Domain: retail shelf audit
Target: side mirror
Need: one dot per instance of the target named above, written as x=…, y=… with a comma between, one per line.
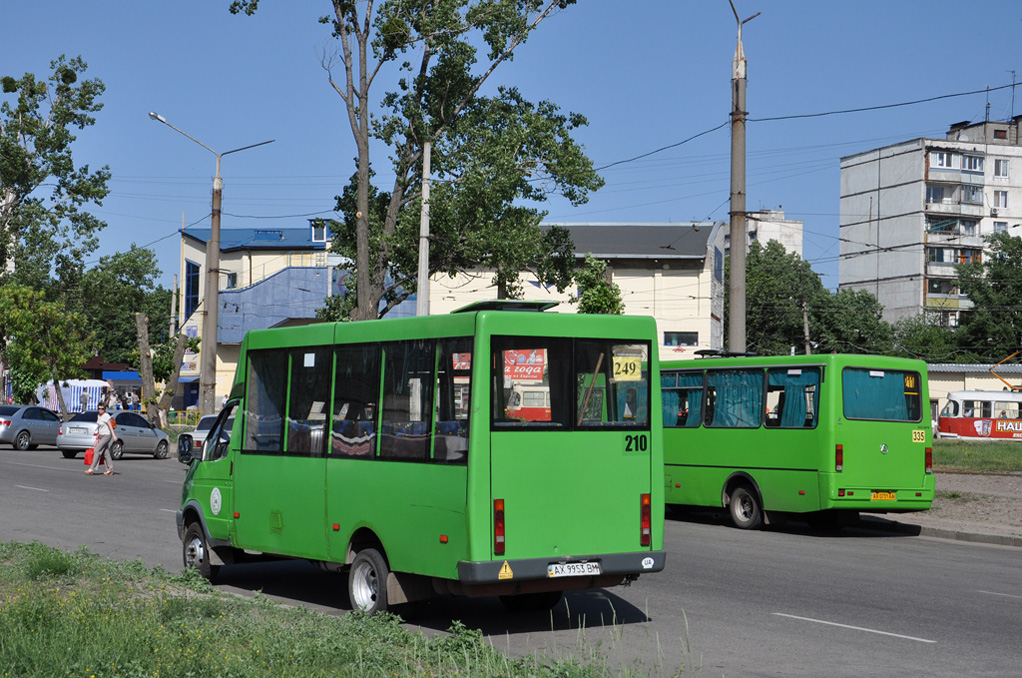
x=185, y=450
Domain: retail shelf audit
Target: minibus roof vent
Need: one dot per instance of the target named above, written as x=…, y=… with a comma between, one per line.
x=506, y=305
x=719, y=353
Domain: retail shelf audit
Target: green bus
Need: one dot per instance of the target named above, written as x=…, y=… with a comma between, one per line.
x=827, y=436
x=387, y=449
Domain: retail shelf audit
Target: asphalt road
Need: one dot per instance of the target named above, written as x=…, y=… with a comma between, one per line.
x=782, y=602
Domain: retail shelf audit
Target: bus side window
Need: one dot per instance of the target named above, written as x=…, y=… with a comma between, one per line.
x=356, y=388
x=450, y=431
x=793, y=397
x=407, y=400
x=736, y=396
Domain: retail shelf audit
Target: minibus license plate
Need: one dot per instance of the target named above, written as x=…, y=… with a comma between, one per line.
x=572, y=569
x=883, y=496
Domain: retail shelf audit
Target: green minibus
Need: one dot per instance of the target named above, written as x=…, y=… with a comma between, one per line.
x=827, y=436
x=388, y=449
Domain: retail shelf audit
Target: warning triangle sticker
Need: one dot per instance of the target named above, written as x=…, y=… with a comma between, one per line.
x=505, y=572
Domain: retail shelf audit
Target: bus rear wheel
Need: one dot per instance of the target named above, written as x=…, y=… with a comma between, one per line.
x=746, y=512
x=367, y=582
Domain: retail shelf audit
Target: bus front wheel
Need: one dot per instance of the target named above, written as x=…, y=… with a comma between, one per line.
x=746, y=512
x=367, y=582
x=196, y=552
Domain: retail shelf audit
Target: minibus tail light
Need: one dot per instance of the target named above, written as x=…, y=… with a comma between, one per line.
x=645, y=521
x=929, y=460
x=839, y=457
x=498, y=527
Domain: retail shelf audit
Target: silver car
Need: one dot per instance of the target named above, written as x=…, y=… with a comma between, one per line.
x=186, y=442
x=26, y=427
x=135, y=435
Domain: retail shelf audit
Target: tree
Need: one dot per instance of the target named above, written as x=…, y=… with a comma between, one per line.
x=992, y=330
x=113, y=291
x=488, y=151
x=48, y=342
x=788, y=307
x=919, y=337
x=597, y=294
x=163, y=365
x=43, y=227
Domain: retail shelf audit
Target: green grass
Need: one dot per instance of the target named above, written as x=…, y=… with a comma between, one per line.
x=978, y=456
x=74, y=615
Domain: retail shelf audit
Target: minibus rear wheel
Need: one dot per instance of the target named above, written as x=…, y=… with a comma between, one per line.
x=367, y=582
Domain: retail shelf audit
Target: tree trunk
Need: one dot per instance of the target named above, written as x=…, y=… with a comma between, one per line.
x=170, y=388
x=145, y=367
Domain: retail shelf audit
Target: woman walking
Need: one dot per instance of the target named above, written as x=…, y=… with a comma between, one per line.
x=106, y=435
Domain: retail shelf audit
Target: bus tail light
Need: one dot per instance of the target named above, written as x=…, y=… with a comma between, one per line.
x=929, y=460
x=839, y=457
x=498, y=527
x=645, y=521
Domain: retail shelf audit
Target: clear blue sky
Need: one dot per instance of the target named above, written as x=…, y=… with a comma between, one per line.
x=646, y=73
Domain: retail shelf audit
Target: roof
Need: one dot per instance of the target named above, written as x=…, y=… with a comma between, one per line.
x=683, y=240
x=258, y=238
x=975, y=368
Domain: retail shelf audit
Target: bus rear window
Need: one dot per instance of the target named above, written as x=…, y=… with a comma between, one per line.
x=559, y=383
x=885, y=395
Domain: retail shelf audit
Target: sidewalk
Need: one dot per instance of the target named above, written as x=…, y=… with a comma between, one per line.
x=980, y=508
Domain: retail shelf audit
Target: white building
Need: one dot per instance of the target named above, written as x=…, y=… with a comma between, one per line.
x=673, y=272
x=911, y=211
x=766, y=225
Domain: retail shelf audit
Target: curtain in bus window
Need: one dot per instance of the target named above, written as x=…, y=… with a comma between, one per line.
x=454, y=371
x=356, y=392
x=407, y=399
x=669, y=399
x=690, y=405
x=799, y=395
x=306, y=408
x=737, y=397
x=264, y=402
x=881, y=394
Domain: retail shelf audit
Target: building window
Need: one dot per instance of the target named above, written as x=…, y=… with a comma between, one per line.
x=232, y=281
x=968, y=227
x=944, y=159
x=935, y=255
x=972, y=195
x=1001, y=199
x=934, y=194
x=941, y=287
x=681, y=338
x=972, y=163
x=318, y=231
x=1000, y=227
x=191, y=300
x=1001, y=168
x=718, y=264
x=1000, y=134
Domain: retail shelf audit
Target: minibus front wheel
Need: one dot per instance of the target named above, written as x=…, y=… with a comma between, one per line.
x=196, y=552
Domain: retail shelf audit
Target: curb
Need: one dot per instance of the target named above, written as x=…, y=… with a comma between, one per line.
x=941, y=532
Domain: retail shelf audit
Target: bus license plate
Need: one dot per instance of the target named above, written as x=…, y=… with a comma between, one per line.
x=883, y=496
x=572, y=569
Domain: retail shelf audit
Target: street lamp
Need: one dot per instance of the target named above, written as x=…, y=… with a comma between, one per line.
x=207, y=372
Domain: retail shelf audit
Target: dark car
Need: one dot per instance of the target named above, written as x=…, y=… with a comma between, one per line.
x=26, y=427
x=135, y=435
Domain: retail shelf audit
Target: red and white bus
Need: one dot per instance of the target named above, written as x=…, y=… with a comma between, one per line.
x=981, y=415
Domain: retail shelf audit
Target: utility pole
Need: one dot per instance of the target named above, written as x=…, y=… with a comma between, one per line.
x=736, y=283
x=422, y=285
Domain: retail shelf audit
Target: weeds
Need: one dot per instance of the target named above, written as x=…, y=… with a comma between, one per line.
x=75, y=615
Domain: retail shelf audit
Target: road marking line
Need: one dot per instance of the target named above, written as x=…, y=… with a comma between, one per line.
x=994, y=593
x=26, y=487
x=169, y=510
x=854, y=628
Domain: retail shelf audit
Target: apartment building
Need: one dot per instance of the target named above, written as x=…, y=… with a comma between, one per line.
x=765, y=225
x=912, y=211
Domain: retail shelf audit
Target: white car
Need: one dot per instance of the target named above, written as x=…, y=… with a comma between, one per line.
x=191, y=443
